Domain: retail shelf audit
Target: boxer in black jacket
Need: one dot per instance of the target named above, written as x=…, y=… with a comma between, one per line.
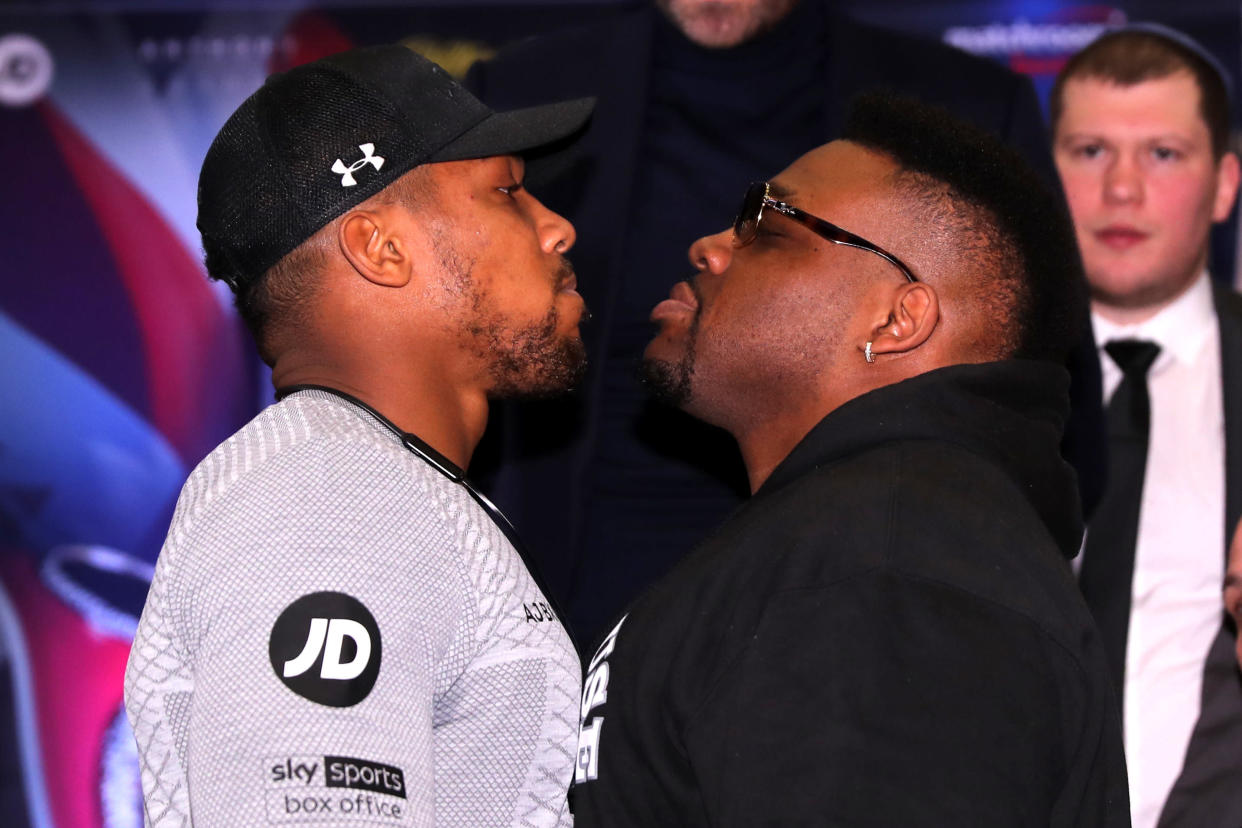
x=888, y=632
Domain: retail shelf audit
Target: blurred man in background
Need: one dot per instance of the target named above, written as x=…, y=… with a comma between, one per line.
x=1141, y=128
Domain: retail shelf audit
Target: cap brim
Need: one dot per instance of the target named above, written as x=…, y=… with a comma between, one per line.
x=519, y=131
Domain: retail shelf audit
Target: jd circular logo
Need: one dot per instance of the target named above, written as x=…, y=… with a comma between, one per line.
x=25, y=70
x=326, y=647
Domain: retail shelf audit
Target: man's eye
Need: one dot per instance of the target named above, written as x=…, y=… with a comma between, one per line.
x=1089, y=151
x=510, y=189
x=1165, y=153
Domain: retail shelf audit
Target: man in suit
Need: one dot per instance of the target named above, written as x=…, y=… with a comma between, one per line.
x=1140, y=129
x=696, y=100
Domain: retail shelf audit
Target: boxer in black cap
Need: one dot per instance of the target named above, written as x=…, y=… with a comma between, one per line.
x=341, y=629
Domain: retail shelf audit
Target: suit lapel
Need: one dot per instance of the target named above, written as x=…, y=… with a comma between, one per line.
x=614, y=145
x=848, y=71
x=1229, y=313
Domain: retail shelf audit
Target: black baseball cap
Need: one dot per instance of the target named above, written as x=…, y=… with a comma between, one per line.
x=316, y=140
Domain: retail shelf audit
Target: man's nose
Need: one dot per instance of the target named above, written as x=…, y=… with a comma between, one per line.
x=556, y=233
x=713, y=253
x=1123, y=180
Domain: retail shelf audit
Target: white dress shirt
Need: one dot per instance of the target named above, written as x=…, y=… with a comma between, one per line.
x=1179, y=558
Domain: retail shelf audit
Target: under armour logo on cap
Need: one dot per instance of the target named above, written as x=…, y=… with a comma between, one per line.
x=347, y=173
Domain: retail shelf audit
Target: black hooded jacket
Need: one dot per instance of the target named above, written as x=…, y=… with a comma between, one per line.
x=888, y=633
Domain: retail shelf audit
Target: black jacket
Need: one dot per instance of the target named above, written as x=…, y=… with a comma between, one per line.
x=887, y=634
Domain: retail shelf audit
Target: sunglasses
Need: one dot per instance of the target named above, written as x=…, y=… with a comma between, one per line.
x=758, y=196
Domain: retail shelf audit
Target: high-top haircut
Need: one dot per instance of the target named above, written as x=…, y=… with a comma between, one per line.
x=1017, y=240
x=1128, y=58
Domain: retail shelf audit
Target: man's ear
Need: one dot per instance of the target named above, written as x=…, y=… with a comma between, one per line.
x=912, y=315
x=1226, y=186
x=372, y=244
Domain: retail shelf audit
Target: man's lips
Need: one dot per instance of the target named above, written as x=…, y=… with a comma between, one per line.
x=1120, y=236
x=681, y=301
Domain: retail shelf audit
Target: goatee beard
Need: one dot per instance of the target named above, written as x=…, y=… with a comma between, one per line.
x=669, y=382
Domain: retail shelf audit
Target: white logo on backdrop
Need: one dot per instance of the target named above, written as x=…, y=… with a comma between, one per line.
x=25, y=70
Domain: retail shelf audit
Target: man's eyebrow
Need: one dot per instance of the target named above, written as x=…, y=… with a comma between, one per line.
x=1233, y=579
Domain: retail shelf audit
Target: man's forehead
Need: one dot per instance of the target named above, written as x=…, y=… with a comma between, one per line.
x=833, y=172
x=1091, y=102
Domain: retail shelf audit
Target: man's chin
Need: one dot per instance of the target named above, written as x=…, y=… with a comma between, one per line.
x=1136, y=292
x=668, y=382
x=551, y=376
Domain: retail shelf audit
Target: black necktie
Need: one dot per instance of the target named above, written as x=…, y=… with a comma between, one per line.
x=1107, y=572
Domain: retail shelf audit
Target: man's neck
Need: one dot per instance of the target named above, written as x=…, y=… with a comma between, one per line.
x=765, y=441
x=1120, y=315
x=1127, y=315
x=449, y=419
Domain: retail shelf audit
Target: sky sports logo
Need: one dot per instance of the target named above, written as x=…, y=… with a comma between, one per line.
x=332, y=787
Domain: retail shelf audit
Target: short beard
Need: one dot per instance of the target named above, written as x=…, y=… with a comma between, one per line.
x=670, y=382
x=532, y=362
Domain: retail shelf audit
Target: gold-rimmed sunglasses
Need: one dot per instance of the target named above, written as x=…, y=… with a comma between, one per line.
x=758, y=197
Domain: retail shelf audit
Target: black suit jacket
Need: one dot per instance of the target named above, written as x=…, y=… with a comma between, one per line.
x=536, y=453
x=1209, y=790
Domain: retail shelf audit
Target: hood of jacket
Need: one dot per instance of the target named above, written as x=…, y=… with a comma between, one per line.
x=1011, y=413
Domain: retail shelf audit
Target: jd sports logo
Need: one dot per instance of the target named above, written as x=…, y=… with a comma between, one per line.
x=327, y=636
x=326, y=647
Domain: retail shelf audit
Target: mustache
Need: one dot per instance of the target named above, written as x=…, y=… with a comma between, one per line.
x=565, y=273
x=693, y=282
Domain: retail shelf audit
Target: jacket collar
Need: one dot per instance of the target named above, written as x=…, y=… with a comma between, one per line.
x=1011, y=413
